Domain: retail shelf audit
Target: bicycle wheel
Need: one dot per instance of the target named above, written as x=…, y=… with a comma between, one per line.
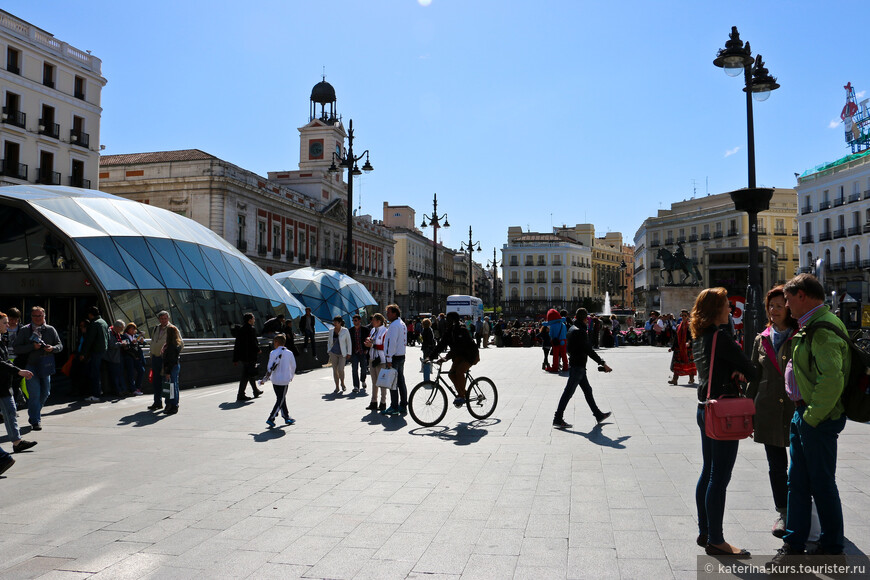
x=427, y=403
x=482, y=398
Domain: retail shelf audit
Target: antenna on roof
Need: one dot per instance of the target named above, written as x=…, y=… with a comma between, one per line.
x=707, y=180
x=694, y=188
x=324, y=72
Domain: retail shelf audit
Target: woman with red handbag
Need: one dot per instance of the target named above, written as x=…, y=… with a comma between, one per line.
x=719, y=361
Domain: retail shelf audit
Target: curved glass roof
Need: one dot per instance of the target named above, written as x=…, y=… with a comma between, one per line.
x=149, y=259
x=326, y=292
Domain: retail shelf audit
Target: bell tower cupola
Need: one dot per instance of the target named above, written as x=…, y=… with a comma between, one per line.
x=324, y=133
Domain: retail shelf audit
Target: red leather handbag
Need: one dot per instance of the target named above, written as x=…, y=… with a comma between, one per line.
x=729, y=417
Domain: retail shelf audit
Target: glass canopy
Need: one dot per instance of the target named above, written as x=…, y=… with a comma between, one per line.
x=326, y=292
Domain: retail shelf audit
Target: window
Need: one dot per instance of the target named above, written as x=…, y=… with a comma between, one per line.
x=48, y=74
x=13, y=60
x=276, y=239
x=240, y=227
x=11, y=165
x=261, y=236
x=45, y=172
x=303, y=248
x=79, y=88
x=825, y=196
x=77, y=135
x=77, y=175
x=289, y=239
x=12, y=111
x=47, y=126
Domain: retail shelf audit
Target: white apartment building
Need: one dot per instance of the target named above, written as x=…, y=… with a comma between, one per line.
x=50, y=125
x=543, y=270
x=834, y=223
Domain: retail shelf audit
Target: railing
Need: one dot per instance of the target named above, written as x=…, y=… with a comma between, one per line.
x=557, y=264
x=823, y=205
x=514, y=263
x=839, y=233
x=705, y=236
x=669, y=242
x=37, y=36
x=11, y=117
x=867, y=228
x=681, y=239
x=639, y=268
x=16, y=170
x=79, y=182
x=808, y=239
x=542, y=279
x=242, y=245
x=49, y=129
x=794, y=232
x=276, y=253
x=557, y=280
x=867, y=194
x=806, y=209
x=825, y=236
x=13, y=69
x=854, y=197
x=47, y=177
x=839, y=201
x=529, y=280
x=261, y=249
x=855, y=231
x=303, y=257
x=79, y=95
x=529, y=263
x=655, y=244
x=693, y=238
x=806, y=270
x=289, y=256
x=718, y=234
x=79, y=138
x=542, y=262
x=586, y=282
x=762, y=231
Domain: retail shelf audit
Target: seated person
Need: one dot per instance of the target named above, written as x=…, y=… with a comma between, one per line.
x=463, y=353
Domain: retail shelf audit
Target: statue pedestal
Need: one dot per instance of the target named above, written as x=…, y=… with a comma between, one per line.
x=675, y=298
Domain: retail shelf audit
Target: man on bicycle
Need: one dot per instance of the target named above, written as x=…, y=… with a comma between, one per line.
x=463, y=353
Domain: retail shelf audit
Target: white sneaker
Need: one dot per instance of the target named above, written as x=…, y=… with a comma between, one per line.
x=92, y=399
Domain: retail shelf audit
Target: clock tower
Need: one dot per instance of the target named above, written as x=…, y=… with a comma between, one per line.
x=324, y=133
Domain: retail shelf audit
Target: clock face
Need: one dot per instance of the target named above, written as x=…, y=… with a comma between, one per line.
x=315, y=150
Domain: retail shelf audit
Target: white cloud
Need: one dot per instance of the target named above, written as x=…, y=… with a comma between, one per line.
x=731, y=152
x=860, y=94
x=833, y=124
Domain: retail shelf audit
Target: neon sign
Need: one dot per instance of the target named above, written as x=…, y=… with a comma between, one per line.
x=856, y=118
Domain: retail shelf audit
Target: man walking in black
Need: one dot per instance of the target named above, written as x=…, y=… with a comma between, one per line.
x=578, y=351
x=358, y=356
x=245, y=351
x=306, y=325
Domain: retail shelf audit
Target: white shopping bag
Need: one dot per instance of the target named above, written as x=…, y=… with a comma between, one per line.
x=387, y=378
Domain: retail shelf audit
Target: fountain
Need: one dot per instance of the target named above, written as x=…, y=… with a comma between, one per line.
x=606, y=304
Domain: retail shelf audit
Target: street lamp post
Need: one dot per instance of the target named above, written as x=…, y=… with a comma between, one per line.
x=435, y=222
x=350, y=162
x=623, y=285
x=494, y=264
x=417, y=293
x=736, y=58
x=470, y=247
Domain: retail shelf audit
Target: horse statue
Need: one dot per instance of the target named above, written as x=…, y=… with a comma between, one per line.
x=678, y=261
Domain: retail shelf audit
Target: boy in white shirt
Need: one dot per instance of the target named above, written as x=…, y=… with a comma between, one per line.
x=281, y=369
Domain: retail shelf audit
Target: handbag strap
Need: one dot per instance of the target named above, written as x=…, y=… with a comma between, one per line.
x=712, y=357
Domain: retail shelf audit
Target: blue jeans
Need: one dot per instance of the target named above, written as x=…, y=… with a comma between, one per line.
x=577, y=376
x=812, y=475
x=133, y=371
x=173, y=377
x=157, y=378
x=95, y=363
x=398, y=363
x=719, y=458
x=427, y=371
x=38, y=389
x=359, y=365
x=308, y=335
x=10, y=417
x=116, y=379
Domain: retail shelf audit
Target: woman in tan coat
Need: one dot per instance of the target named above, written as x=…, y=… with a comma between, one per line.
x=773, y=409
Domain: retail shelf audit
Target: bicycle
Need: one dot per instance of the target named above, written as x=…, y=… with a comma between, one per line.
x=428, y=400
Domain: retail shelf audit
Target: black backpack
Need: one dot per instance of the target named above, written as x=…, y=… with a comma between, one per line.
x=856, y=392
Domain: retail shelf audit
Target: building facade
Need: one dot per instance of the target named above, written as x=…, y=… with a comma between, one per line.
x=50, y=124
x=542, y=270
x=712, y=222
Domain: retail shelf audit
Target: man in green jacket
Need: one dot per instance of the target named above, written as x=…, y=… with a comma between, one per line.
x=93, y=350
x=814, y=381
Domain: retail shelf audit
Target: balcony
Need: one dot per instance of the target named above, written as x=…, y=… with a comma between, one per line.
x=542, y=279
x=780, y=232
x=557, y=264
x=681, y=239
x=839, y=233
x=47, y=177
x=639, y=268
x=867, y=194
x=855, y=231
x=16, y=118
x=529, y=263
x=542, y=262
x=806, y=209
x=825, y=236
x=655, y=265
x=808, y=239
x=303, y=258
x=705, y=236
x=79, y=182
x=557, y=280
x=529, y=280
x=655, y=244
x=79, y=138
x=14, y=169
x=242, y=245
x=794, y=232
x=14, y=69
x=514, y=263
x=693, y=238
x=762, y=231
x=823, y=205
x=49, y=129
x=854, y=197
x=669, y=242
x=839, y=201
x=732, y=233
x=276, y=253
x=261, y=249
x=867, y=228
x=586, y=282
x=718, y=234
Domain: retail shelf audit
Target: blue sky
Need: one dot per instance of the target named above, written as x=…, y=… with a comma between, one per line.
x=514, y=112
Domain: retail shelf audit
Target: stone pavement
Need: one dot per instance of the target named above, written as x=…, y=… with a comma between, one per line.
x=114, y=491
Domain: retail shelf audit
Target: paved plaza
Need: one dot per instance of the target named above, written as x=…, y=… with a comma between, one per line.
x=115, y=491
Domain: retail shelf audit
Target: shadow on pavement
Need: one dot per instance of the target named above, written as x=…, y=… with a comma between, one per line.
x=141, y=419
x=389, y=422
x=229, y=405
x=268, y=435
x=462, y=434
x=597, y=436
x=58, y=410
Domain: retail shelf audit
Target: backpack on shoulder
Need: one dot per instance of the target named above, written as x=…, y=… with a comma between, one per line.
x=856, y=391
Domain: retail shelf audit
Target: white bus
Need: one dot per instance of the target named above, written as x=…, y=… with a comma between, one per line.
x=465, y=306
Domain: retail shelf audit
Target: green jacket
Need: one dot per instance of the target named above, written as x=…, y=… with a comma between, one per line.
x=822, y=383
x=96, y=338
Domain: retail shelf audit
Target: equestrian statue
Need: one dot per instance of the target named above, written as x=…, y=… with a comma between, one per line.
x=678, y=261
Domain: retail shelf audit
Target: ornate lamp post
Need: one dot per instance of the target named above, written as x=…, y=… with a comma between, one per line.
x=736, y=58
x=435, y=222
x=470, y=248
x=494, y=264
x=623, y=286
x=349, y=161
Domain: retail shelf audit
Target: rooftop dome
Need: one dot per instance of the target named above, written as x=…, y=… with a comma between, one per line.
x=323, y=93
